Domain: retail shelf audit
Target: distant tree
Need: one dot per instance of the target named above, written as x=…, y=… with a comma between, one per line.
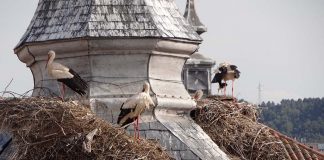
x=302, y=118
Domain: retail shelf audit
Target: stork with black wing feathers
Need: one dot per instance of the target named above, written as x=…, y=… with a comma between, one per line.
x=226, y=72
x=65, y=75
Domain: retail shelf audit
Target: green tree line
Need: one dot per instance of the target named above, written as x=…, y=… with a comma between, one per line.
x=302, y=118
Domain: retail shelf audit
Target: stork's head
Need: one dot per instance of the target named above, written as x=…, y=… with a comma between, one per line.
x=146, y=87
x=51, y=54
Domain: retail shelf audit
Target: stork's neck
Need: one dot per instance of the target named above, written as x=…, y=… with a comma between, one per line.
x=51, y=59
x=147, y=89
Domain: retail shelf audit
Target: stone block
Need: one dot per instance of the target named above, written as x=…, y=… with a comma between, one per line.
x=188, y=155
x=157, y=126
x=177, y=144
x=144, y=126
x=175, y=154
x=156, y=135
x=166, y=140
x=142, y=134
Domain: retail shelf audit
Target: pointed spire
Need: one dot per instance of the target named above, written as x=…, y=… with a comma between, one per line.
x=192, y=17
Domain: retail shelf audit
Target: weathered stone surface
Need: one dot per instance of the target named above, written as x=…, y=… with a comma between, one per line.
x=177, y=144
x=188, y=155
x=166, y=140
x=153, y=135
x=157, y=126
x=142, y=134
x=175, y=154
x=142, y=127
x=187, y=131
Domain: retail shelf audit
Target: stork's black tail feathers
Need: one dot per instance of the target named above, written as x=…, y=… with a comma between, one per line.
x=77, y=84
x=124, y=112
x=237, y=74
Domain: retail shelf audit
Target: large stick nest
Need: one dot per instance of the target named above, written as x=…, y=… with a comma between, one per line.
x=234, y=127
x=51, y=129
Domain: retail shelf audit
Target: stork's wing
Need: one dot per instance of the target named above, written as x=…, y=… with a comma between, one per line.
x=137, y=99
x=61, y=74
x=217, y=78
x=150, y=101
x=132, y=101
x=77, y=84
x=58, y=66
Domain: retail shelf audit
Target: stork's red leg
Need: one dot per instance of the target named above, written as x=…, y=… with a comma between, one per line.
x=225, y=91
x=137, y=124
x=135, y=128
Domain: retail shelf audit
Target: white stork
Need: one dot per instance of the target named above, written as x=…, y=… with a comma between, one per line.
x=134, y=106
x=65, y=75
x=198, y=95
x=224, y=73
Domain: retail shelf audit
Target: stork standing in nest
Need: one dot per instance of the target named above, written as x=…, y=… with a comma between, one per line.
x=134, y=107
x=224, y=73
x=197, y=97
x=66, y=76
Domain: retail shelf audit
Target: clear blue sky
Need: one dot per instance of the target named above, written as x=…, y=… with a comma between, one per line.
x=279, y=43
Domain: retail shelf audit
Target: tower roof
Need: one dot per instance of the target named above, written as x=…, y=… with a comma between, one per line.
x=192, y=17
x=70, y=19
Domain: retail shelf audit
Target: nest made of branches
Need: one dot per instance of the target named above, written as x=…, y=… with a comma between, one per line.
x=234, y=127
x=52, y=129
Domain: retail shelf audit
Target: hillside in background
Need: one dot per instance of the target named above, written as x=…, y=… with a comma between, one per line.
x=302, y=118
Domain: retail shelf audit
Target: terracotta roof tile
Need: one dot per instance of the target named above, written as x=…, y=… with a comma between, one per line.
x=296, y=150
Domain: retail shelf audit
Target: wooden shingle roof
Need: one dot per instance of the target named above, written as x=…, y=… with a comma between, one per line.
x=70, y=19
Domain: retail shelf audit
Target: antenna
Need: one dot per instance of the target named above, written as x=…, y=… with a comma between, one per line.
x=259, y=93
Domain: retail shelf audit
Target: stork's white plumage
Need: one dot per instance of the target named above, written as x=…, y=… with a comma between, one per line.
x=65, y=75
x=198, y=95
x=226, y=72
x=134, y=107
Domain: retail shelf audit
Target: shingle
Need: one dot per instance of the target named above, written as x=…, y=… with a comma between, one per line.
x=68, y=19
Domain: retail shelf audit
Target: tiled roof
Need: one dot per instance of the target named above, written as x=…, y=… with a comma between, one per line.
x=68, y=19
x=295, y=150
